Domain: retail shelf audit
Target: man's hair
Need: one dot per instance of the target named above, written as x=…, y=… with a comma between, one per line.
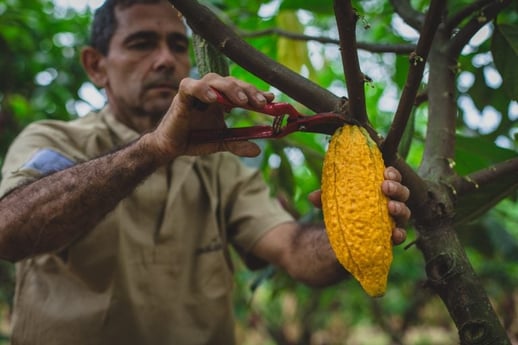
x=104, y=23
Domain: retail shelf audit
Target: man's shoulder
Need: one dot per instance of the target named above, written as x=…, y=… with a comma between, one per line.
x=80, y=124
x=77, y=131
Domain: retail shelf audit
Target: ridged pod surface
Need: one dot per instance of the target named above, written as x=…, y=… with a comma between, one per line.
x=208, y=59
x=355, y=209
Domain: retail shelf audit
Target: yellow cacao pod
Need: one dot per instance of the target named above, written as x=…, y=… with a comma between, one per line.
x=355, y=209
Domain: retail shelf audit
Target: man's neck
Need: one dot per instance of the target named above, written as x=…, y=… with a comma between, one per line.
x=140, y=124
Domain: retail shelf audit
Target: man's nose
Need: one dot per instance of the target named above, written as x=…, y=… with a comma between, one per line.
x=165, y=58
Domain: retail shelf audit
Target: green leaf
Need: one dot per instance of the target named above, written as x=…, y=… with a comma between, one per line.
x=317, y=6
x=468, y=159
x=408, y=135
x=505, y=54
x=474, y=205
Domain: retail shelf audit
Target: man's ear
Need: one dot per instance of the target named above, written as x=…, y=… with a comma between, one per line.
x=93, y=63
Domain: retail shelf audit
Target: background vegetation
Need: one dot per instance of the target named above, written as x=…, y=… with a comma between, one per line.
x=42, y=78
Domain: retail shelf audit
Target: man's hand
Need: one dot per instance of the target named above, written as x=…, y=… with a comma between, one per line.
x=398, y=194
x=171, y=137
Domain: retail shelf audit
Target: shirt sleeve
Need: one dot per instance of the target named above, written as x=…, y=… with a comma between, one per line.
x=250, y=208
x=29, y=158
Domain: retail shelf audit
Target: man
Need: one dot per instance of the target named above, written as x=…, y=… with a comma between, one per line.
x=120, y=225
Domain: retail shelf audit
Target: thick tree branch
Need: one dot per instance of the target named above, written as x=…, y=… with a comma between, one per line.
x=506, y=170
x=454, y=280
x=346, y=18
x=414, y=78
x=370, y=47
x=410, y=16
x=439, y=153
x=419, y=190
x=487, y=14
x=202, y=21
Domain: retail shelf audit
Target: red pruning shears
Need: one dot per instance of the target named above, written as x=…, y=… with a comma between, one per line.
x=325, y=123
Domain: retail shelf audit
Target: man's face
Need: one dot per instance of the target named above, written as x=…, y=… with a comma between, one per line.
x=147, y=58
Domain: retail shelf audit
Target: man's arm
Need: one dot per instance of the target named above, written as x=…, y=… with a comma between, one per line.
x=51, y=212
x=48, y=214
x=304, y=251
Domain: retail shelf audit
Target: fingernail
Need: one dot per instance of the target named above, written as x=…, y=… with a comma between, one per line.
x=396, y=208
x=260, y=98
x=391, y=187
x=211, y=95
x=242, y=96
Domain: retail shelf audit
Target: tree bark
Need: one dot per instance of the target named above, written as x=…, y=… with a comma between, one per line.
x=452, y=277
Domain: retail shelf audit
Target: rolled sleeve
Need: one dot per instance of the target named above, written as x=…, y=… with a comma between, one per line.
x=251, y=210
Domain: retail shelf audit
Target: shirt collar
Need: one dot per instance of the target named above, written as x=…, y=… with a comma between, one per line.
x=123, y=133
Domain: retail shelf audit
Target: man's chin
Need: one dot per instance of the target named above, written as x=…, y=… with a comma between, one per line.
x=159, y=105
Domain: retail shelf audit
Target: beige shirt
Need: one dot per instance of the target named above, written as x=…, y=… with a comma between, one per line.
x=154, y=270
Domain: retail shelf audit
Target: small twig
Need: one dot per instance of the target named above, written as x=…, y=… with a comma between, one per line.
x=410, y=16
x=471, y=183
x=346, y=18
x=487, y=14
x=371, y=47
x=457, y=18
x=421, y=97
x=415, y=75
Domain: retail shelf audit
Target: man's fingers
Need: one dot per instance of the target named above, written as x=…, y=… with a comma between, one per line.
x=315, y=198
x=398, y=236
x=395, y=190
x=399, y=211
x=242, y=148
x=237, y=91
x=393, y=174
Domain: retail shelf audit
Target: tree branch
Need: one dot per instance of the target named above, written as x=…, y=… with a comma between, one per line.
x=202, y=21
x=346, y=18
x=487, y=14
x=410, y=16
x=419, y=190
x=505, y=170
x=452, y=277
x=371, y=47
x=414, y=78
x=455, y=20
x=439, y=152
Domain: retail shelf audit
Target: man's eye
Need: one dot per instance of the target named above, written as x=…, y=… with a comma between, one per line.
x=178, y=46
x=141, y=45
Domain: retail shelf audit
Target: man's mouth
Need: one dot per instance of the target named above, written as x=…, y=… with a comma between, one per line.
x=164, y=87
x=162, y=84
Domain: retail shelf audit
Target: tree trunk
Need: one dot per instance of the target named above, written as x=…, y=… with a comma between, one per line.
x=452, y=277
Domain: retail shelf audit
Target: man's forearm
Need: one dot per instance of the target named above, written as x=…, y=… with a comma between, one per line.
x=314, y=261
x=303, y=251
x=48, y=214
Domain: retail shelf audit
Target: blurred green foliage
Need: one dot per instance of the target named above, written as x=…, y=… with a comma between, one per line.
x=42, y=78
